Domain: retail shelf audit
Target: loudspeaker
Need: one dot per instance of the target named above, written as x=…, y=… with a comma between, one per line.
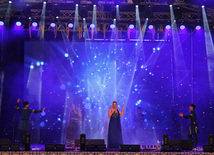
x=9, y=147
x=27, y=142
x=90, y=142
x=165, y=139
x=211, y=139
x=168, y=148
x=82, y=142
x=96, y=148
x=129, y=148
x=53, y=147
x=184, y=144
x=208, y=148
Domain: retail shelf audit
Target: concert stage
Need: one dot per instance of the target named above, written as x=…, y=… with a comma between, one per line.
x=40, y=150
x=102, y=153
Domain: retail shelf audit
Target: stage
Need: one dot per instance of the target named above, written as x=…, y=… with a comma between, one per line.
x=102, y=153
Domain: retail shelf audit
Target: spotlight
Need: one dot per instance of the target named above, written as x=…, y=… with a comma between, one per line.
x=66, y=55
x=1, y=23
x=131, y=26
x=117, y=6
x=44, y=2
x=18, y=23
x=136, y=6
x=182, y=27
x=170, y=5
x=42, y=63
x=52, y=24
x=57, y=17
x=147, y=18
x=92, y=26
x=29, y=18
x=114, y=19
x=31, y=67
x=151, y=27
x=76, y=4
x=34, y=24
x=168, y=27
x=202, y=6
x=70, y=25
x=83, y=18
x=9, y=2
x=94, y=5
x=112, y=26
x=38, y=63
x=198, y=27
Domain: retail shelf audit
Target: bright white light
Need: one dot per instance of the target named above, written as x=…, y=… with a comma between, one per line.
x=57, y=17
x=10, y=2
x=29, y=18
x=170, y=5
x=66, y=55
x=117, y=6
x=76, y=4
x=44, y=2
x=94, y=5
x=114, y=19
x=31, y=67
x=202, y=6
x=147, y=18
x=83, y=18
x=136, y=6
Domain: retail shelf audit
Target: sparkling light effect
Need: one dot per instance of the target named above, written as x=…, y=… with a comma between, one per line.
x=182, y=27
x=92, y=26
x=18, y=23
x=168, y=27
x=70, y=25
x=198, y=27
x=34, y=24
x=112, y=26
x=66, y=55
x=131, y=26
x=151, y=27
x=31, y=66
x=53, y=24
x=1, y=23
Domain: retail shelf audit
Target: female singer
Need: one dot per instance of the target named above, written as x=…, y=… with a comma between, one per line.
x=114, y=130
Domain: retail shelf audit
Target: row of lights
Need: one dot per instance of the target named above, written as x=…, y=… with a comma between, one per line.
x=112, y=26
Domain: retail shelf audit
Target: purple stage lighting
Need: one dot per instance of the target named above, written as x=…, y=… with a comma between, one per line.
x=112, y=26
x=52, y=24
x=92, y=26
x=70, y=25
x=151, y=27
x=131, y=26
x=198, y=27
x=18, y=23
x=182, y=27
x=1, y=23
x=168, y=27
x=34, y=24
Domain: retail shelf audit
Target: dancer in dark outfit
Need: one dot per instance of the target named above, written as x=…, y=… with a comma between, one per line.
x=114, y=131
x=193, y=128
x=24, y=125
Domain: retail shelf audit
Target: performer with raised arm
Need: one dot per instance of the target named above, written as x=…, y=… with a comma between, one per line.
x=193, y=128
x=24, y=125
x=114, y=130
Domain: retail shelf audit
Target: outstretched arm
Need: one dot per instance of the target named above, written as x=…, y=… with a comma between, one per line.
x=38, y=111
x=17, y=102
x=185, y=116
x=122, y=113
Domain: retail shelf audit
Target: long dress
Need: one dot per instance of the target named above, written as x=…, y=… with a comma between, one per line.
x=114, y=131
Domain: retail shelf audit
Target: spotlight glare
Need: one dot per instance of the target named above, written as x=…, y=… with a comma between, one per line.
x=42, y=63
x=117, y=6
x=94, y=5
x=151, y=27
x=168, y=27
x=57, y=17
x=202, y=6
x=198, y=27
x=31, y=67
x=136, y=6
x=1, y=23
x=9, y=2
x=182, y=27
x=52, y=24
x=170, y=5
x=147, y=18
x=18, y=23
x=38, y=63
x=131, y=26
x=92, y=26
x=112, y=26
x=66, y=55
x=76, y=4
x=44, y=2
x=29, y=18
x=114, y=19
x=83, y=18
x=34, y=24
x=70, y=25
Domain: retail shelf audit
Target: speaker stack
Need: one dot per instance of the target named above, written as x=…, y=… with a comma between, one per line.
x=210, y=147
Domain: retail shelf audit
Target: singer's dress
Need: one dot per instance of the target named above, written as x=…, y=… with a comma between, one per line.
x=114, y=131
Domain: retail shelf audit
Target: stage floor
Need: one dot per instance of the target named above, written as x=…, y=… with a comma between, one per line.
x=39, y=150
